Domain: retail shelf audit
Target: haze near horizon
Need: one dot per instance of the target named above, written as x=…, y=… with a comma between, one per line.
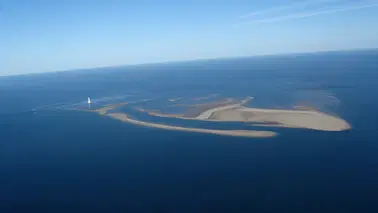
x=43, y=36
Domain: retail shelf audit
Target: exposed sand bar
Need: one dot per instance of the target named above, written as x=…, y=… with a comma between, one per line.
x=306, y=118
x=284, y=118
x=244, y=133
x=103, y=110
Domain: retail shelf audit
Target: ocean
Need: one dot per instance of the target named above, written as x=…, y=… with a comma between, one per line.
x=54, y=159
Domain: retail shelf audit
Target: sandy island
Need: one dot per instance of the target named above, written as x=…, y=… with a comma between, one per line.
x=306, y=118
x=231, y=111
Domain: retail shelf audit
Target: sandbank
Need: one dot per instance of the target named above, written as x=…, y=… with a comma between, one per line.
x=243, y=133
x=284, y=118
x=307, y=118
x=231, y=111
x=125, y=118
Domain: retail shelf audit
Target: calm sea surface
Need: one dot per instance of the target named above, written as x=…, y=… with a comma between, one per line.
x=53, y=159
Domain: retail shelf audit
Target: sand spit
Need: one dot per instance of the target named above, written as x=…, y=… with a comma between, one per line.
x=103, y=110
x=206, y=115
x=125, y=118
x=201, y=111
x=198, y=109
x=243, y=133
x=194, y=110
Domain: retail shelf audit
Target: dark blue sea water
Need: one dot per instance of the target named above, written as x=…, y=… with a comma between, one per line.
x=53, y=159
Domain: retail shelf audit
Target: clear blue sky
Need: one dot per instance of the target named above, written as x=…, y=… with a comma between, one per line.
x=46, y=35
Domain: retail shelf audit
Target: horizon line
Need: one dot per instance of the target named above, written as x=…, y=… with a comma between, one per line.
x=192, y=60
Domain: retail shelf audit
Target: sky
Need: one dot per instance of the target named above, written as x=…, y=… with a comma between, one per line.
x=45, y=35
